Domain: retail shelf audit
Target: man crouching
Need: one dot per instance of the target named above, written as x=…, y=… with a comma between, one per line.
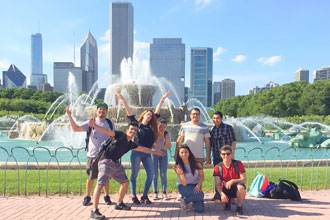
x=229, y=178
x=109, y=166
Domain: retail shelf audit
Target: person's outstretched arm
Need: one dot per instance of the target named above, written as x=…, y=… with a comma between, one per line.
x=159, y=106
x=75, y=127
x=128, y=110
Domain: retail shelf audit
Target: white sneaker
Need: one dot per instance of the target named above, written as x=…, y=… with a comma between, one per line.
x=179, y=197
x=155, y=197
x=183, y=205
x=165, y=197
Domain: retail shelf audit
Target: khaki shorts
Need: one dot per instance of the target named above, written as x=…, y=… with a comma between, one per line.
x=110, y=169
x=200, y=160
x=92, y=168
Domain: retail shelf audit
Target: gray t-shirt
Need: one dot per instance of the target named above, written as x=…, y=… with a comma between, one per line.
x=96, y=138
x=160, y=143
x=190, y=179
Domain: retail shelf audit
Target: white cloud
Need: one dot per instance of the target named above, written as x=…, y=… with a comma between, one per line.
x=269, y=61
x=239, y=58
x=4, y=64
x=216, y=55
x=106, y=36
x=200, y=4
x=141, y=50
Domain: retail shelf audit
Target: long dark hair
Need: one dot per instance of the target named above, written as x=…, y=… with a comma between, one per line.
x=191, y=158
x=152, y=123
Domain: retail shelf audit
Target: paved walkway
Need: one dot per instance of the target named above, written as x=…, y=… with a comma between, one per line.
x=316, y=205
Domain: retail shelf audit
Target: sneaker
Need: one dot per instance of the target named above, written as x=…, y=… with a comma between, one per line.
x=227, y=206
x=107, y=200
x=179, y=197
x=183, y=205
x=136, y=200
x=155, y=197
x=165, y=196
x=87, y=201
x=239, y=210
x=145, y=199
x=122, y=206
x=97, y=215
x=190, y=206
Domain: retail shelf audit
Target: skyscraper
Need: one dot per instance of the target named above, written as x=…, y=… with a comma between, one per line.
x=89, y=62
x=13, y=78
x=121, y=35
x=322, y=74
x=167, y=59
x=37, y=76
x=227, y=88
x=302, y=75
x=216, y=92
x=61, y=76
x=201, y=74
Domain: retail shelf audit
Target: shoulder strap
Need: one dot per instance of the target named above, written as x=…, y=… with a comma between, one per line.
x=89, y=131
x=236, y=166
x=290, y=183
x=110, y=123
x=220, y=170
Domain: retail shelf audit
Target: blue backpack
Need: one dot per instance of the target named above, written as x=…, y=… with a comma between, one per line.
x=259, y=184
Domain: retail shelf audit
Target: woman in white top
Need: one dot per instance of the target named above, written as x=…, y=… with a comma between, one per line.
x=190, y=178
x=162, y=143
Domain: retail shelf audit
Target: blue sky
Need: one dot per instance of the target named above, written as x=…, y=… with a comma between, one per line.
x=254, y=41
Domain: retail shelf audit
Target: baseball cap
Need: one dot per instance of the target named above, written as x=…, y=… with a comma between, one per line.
x=102, y=104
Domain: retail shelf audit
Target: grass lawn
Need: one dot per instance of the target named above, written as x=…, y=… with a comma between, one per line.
x=74, y=182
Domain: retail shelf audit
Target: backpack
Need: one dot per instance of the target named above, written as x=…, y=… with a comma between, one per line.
x=259, y=184
x=221, y=171
x=285, y=190
x=266, y=192
x=90, y=131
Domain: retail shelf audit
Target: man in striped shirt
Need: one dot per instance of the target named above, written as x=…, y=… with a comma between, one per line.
x=221, y=134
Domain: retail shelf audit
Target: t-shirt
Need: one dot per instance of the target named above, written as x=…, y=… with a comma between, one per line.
x=119, y=146
x=160, y=143
x=190, y=179
x=194, y=137
x=145, y=136
x=96, y=138
x=229, y=173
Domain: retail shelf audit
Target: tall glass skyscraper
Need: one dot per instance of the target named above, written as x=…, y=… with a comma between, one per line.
x=37, y=76
x=201, y=74
x=167, y=59
x=89, y=62
x=227, y=88
x=121, y=35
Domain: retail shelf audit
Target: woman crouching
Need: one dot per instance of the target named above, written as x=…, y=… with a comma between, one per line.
x=190, y=178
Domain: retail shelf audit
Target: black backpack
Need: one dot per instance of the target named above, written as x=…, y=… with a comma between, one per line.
x=90, y=131
x=285, y=190
x=235, y=167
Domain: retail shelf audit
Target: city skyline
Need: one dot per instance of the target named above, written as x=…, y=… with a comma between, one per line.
x=252, y=42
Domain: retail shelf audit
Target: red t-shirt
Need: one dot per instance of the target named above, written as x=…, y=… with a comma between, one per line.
x=229, y=173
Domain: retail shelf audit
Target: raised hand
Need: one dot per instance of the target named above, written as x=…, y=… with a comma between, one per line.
x=119, y=95
x=68, y=111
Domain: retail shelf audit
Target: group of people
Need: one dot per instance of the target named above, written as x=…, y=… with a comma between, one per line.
x=149, y=141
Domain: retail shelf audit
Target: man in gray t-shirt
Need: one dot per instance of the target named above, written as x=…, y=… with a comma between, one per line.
x=100, y=130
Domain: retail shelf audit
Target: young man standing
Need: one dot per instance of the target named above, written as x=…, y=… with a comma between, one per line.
x=221, y=134
x=100, y=131
x=230, y=178
x=109, y=166
x=195, y=134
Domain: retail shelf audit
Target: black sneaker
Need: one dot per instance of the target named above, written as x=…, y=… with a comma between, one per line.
x=97, y=215
x=227, y=205
x=87, y=201
x=107, y=200
x=136, y=200
x=145, y=199
x=122, y=206
x=239, y=210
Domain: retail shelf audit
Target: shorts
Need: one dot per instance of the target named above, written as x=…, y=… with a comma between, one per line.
x=200, y=160
x=230, y=193
x=109, y=168
x=92, y=168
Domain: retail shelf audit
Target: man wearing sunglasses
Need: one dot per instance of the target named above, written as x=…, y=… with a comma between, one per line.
x=230, y=178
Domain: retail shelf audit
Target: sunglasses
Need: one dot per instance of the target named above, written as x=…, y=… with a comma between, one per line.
x=224, y=154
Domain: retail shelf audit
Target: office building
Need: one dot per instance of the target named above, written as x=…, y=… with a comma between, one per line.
x=167, y=60
x=322, y=74
x=121, y=35
x=201, y=74
x=269, y=86
x=37, y=76
x=89, y=62
x=13, y=78
x=216, y=92
x=302, y=75
x=61, y=76
x=45, y=87
x=227, y=88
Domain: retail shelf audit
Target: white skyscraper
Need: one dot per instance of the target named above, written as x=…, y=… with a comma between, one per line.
x=227, y=88
x=322, y=74
x=121, y=35
x=302, y=75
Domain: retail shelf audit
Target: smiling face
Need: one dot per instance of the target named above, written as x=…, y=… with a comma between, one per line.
x=216, y=120
x=101, y=112
x=184, y=154
x=225, y=155
x=161, y=127
x=147, y=116
x=131, y=131
x=194, y=116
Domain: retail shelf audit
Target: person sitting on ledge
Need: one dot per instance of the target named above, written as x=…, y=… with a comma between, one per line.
x=230, y=178
x=109, y=166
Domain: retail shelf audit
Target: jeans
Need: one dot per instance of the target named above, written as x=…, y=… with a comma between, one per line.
x=188, y=194
x=136, y=158
x=162, y=162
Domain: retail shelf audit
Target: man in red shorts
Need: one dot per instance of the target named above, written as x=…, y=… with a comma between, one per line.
x=230, y=178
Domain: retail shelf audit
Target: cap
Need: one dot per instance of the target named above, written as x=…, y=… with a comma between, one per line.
x=102, y=104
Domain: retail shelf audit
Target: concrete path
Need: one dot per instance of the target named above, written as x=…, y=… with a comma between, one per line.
x=316, y=205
